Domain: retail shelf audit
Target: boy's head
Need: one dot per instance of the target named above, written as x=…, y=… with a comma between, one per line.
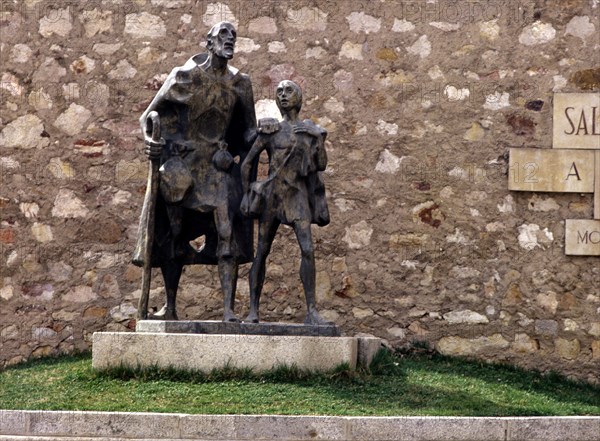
x=288, y=96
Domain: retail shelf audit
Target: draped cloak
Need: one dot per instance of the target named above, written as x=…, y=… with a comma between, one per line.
x=198, y=113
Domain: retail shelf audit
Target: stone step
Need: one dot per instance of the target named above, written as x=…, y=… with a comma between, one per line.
x=117, y=426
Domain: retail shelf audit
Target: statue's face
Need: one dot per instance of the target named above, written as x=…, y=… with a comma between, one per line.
x=288, y=96
x=223, y=40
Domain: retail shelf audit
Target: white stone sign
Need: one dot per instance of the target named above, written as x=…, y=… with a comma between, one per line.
x=582, y=237
x=576, y=121
x=569, y=171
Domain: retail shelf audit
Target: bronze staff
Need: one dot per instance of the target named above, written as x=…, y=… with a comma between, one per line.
x=152, y=129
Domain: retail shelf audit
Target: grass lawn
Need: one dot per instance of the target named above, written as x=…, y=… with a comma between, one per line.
x=409, y=384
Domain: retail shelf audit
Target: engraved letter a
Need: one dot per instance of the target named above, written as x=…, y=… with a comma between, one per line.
x=573, y=172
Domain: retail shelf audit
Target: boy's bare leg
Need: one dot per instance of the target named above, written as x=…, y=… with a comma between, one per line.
x=267, y=229
x=308, y=273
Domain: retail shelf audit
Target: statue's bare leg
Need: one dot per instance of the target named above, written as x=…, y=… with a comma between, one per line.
x=224, y=230
x=228, y=266
x=266, y=234
x=228, y=273
x=171, y=272
x=308, y=272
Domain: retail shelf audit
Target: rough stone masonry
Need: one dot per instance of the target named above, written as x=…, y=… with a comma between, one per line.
x=422, y=100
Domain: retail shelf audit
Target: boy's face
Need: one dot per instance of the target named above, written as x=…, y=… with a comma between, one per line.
x=287, y=96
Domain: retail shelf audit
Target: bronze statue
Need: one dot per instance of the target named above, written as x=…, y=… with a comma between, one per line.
x=206, y=113
x=293, y=193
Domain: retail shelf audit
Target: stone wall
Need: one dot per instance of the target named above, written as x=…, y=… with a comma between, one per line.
x=422, y=100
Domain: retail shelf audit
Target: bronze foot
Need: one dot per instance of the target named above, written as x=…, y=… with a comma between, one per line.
x=229, y=316
x=164, y=314
x=313, y=318
x=252, y=318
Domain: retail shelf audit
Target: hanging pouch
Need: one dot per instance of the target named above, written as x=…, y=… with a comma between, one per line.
x=175, y=180
x=253, y=202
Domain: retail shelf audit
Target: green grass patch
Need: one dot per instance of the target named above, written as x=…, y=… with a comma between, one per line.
x=413, y=383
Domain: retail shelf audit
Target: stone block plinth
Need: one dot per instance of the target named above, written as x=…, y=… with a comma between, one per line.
x=208, y=351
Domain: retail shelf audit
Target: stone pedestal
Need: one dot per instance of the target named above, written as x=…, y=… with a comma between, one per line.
x=196, y=345
x=220, y=327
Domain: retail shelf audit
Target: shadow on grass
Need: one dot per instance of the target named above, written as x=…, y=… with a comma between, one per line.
x=468, y=388
x=552, y=385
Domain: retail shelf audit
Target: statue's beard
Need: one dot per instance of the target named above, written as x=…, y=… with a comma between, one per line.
x=224, y=52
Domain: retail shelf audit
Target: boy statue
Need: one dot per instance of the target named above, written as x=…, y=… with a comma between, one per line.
x=293, y=193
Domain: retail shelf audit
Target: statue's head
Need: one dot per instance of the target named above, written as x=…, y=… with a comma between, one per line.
x=288, y=96
x=220, y=40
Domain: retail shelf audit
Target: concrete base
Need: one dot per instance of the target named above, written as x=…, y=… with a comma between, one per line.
x=208, y=351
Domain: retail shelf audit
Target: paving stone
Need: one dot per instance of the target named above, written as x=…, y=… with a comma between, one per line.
x=427, y=428
x=554, y=429
x=289, y=428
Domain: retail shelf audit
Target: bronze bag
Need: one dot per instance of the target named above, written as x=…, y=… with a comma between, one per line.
x=175, y=180
x=253, y=202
